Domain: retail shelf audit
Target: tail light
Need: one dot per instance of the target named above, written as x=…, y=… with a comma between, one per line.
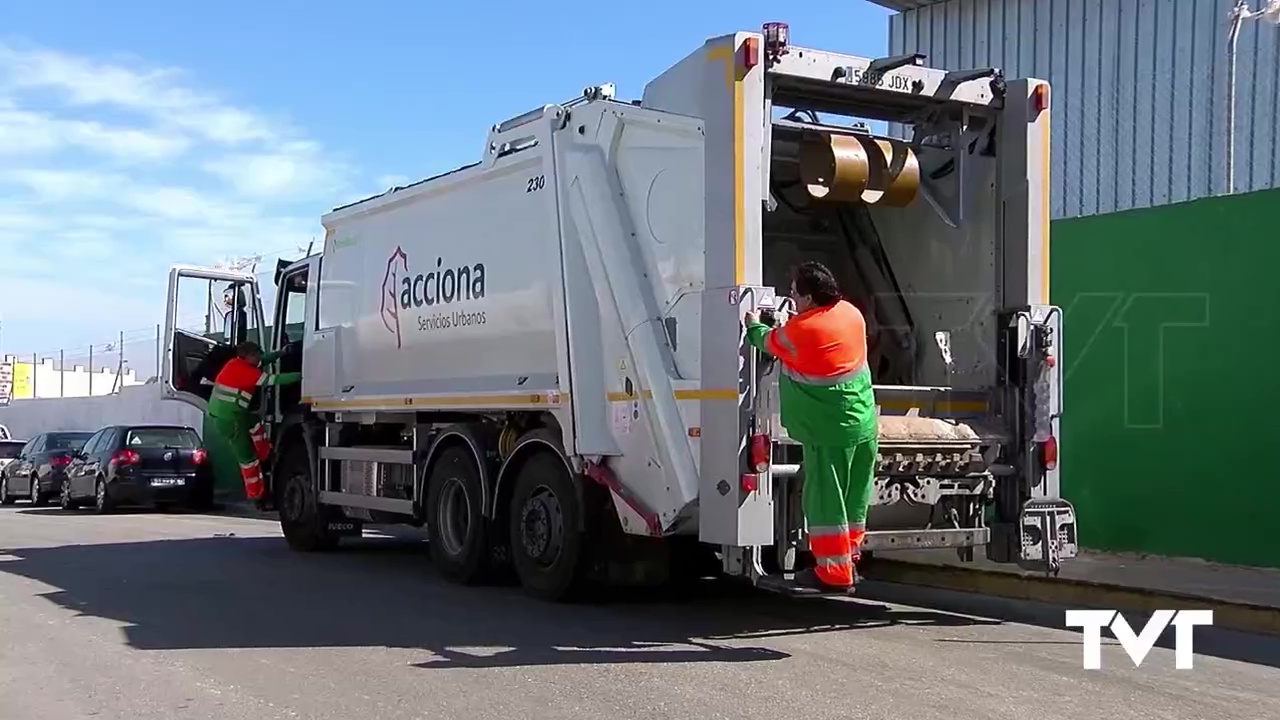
x=1049, y=452
x=60, y=462
x=760, y=453
x=125, y=457
x=199, y=456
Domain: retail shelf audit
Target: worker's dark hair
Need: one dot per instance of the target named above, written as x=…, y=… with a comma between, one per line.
x=247, y=348
x=815, y=280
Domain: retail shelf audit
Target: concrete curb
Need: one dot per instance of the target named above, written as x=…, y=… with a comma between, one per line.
x=1246, y=617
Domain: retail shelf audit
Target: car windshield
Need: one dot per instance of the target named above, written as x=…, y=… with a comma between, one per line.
x=177, y=438
x=9, y=450
x=66, y=441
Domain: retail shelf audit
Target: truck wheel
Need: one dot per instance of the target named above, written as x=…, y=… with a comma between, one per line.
x=303, y=520
x=458, y=536
x=547, y=542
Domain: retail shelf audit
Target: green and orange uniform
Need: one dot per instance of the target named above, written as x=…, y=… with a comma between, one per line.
x=829, y=407
x=229, y=409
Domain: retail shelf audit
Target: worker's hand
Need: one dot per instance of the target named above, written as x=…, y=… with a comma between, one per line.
x=751, y=318
x=769, y=317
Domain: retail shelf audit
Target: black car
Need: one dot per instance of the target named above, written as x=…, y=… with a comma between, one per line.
x=151, y=465
x=38, y=471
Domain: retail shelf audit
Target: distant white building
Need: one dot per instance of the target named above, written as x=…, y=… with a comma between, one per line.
x=47, y=380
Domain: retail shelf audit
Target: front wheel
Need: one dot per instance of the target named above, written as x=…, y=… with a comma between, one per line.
x=5, y=497
x=548, y=545
x=303, y=520
x=37, y=499
x=65, y=501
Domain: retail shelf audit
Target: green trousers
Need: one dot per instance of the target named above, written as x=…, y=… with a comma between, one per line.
x=838, y=482
x=235, y=430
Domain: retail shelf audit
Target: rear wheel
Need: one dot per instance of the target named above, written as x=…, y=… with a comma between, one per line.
x=456, y=527
x=101, y=497
x=303, y=520
x=5, y=497
x=548, y=545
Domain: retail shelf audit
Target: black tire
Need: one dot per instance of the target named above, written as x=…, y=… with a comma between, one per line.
x=303, y=520
x=5, y=497
x=458, y=534
x=102, y=504
x=65, y=501
x=548, y=546
x=37, y=500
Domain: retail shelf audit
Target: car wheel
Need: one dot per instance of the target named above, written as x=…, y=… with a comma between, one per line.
x=101, y=498
x=36, y=498
x=5, y=497
x=65, y=501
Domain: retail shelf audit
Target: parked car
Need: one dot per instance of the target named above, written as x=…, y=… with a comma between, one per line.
x=140, y=465
x=9, y=450
x=38, y=471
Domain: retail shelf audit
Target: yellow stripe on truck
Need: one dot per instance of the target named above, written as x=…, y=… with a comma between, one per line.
x=728, y=54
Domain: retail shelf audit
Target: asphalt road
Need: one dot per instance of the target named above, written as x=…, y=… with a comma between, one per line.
x=171, y=617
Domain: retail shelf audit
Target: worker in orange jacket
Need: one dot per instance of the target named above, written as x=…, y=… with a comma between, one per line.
x=829, y=407
x=233, y=390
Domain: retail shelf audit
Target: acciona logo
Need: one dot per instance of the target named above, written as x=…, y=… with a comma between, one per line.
x=404, y=290
x=1138, y=645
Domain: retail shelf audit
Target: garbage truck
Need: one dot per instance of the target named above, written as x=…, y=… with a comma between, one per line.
x=540, y=357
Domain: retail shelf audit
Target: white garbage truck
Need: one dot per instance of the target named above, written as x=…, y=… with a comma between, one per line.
x=540, y=357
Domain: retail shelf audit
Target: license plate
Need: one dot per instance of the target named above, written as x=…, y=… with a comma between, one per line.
x=168, y=482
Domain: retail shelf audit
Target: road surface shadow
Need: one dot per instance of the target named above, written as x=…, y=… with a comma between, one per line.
x=252, y=592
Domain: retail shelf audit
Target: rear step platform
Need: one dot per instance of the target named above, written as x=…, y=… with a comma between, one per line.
x=785, y=584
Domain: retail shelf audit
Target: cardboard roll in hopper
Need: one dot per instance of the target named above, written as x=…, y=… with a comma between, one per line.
x=858, y=168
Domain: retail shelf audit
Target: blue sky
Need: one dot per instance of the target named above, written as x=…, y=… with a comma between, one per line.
x=137, y=134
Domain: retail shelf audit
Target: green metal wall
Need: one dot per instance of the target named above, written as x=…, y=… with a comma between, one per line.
x=1168, y=418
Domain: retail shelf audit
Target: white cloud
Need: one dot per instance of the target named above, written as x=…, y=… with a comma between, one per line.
x=112, y=170
x=296, y=170
x=25, y=133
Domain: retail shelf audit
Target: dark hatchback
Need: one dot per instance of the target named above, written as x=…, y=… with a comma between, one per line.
x=140, y=465
x=39, y=470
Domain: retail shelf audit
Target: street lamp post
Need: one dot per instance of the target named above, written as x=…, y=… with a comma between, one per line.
x=1239, y=13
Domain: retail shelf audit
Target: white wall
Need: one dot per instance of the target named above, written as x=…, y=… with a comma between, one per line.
x=135, y=404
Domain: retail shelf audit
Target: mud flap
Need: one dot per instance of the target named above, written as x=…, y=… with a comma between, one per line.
x=1047, y=534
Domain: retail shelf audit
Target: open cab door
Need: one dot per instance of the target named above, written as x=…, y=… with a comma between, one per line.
x=208, y=313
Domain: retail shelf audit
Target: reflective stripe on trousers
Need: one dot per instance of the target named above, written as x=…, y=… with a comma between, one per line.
x=835, y=550
x=251, y=473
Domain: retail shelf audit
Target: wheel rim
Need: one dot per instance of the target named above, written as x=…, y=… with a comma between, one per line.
x=542, y=526
x=453, y=516
x=294, y=502
x=66, y=494
x=35, y=491
x=101, y=494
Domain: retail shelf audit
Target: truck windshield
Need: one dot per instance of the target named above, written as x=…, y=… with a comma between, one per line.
x=66, y=441
x=9, y=450
x=177, y=438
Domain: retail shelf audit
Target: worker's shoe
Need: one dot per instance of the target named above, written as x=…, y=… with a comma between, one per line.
x=808, y=578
